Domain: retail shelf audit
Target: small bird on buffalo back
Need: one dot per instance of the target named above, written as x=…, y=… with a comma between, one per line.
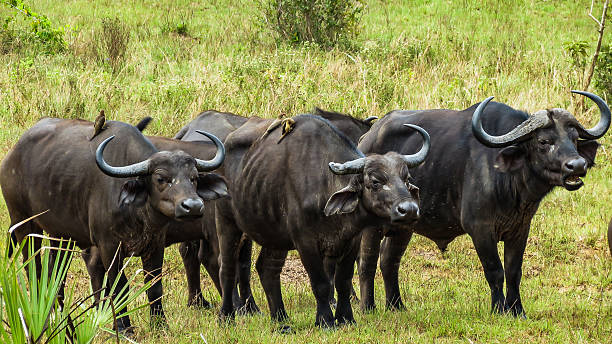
x=99, y=124
x=287, y=125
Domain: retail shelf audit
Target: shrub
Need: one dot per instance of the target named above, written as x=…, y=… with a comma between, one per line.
x=325, y=22
x=42, y=31
x=603, y=70
x=112, y=43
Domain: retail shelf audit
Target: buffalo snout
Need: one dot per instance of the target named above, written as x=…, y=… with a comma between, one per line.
x=190, y=207
x=405, y=211
x=575, y=166
x=573, y=169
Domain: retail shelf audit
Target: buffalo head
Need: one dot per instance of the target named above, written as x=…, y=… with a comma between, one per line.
x=170, y=181
x=382, y=183
x=555, y=146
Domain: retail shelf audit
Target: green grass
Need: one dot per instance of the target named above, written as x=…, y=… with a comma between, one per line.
x=411, y=54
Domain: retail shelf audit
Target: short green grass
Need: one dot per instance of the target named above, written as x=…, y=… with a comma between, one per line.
x=184, y=57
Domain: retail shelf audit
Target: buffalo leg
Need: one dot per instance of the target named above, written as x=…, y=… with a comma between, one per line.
x=244, y=277
x=269, y=266
x=319, y=281
x=486, y=248
x=96, y=270
x=229, y=241
x=368, y=256
x=392, y=250
x=152, y=267
x=344, y=285
x=513, y=261
x=330, y=269
x=189, y=254
x=113, y=262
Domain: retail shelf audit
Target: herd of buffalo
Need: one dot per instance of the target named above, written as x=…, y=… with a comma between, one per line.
x=337, y=189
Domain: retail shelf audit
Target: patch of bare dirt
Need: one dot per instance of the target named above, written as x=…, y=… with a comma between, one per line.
x=293, y=271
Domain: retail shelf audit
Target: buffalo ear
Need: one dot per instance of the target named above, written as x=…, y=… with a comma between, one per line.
x=211, y=186
x=510, y=159
x=588, y=149
x=342, y=201
x=133, y=192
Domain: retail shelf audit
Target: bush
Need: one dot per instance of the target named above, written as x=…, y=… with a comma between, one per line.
x=603, y=70
x=325, y=22
x=42, y=31
x=112, y=43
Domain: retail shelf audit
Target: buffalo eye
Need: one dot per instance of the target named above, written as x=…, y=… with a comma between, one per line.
x=544, y=142
x=376, y=184
x=161, y=180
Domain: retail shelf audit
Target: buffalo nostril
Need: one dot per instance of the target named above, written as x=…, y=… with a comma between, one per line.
x=576, y=165
x=402, y=209
x=191, y=206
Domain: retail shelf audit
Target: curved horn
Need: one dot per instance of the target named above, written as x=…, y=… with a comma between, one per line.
x=370, y=119
x=604, y=120
x=209, y=165
x=537, y=120
x=349, y=167
x=417, y=158
x=138, y=169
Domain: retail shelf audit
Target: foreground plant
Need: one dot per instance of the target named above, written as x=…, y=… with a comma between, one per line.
x=34, y=308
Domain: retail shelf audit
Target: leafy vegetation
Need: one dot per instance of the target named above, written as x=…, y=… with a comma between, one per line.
x=408, y=55
x=42, y=31
x=34, y=310
x=325, y=22
x=603, y=70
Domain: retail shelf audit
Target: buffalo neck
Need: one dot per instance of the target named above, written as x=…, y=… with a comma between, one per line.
x=144, y=227
x=522, y=189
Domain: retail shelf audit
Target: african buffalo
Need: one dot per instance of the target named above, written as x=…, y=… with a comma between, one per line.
x=193, y=253
x=284, y=198
x=486, y=186
x=121, y=211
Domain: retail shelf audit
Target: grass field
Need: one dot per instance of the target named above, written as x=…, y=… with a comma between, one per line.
x=184, y=57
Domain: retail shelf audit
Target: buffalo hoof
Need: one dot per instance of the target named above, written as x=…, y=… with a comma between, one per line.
x=517, y=313
x=342, y=321
x=124, y=327
x=128, y=332
x=249, y=308
x=199, y=302
x=285, y=329
x=226, y=319
x=325, y=323
x=395, y=304
x=158, y=322
x=367, y=307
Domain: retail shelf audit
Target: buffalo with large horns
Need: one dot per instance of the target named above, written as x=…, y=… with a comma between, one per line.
x=492, y=166
x=206, y=251
x=284, y=198
x=123, y=206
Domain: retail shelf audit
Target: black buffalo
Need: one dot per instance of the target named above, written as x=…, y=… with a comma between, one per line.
x=284, y=198
x=486, y=186
x=121, y=211
x=206, y=251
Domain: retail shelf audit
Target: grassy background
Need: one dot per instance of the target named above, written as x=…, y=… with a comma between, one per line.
x=184, y=57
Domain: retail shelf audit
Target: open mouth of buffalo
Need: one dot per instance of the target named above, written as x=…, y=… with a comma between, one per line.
x=573, y=182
